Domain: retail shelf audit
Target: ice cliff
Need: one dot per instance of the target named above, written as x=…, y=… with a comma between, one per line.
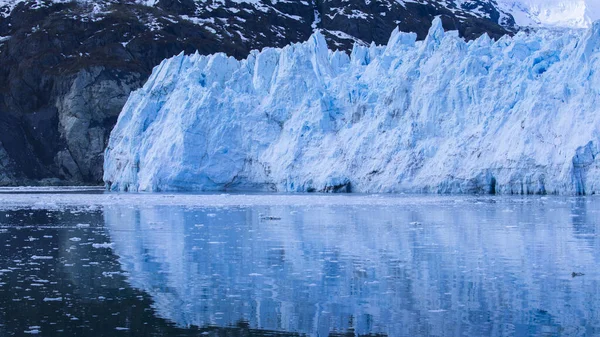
x=517, y=115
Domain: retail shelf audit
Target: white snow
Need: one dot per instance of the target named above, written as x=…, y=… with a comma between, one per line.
x=537, y=13
x=552, y=13
x=317, y=19
x=97, y=5
x=520, y=115
x=531, y=13
x=9, y=5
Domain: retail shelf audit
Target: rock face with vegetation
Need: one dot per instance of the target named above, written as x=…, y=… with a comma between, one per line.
x=68, y=67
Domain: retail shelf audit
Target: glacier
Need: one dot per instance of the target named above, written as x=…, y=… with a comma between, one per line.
x=515, y=116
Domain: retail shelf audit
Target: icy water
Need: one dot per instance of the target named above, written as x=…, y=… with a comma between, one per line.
x=77, y=263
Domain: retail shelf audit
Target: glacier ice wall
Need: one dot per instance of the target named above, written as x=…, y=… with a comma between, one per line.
x=517, y=115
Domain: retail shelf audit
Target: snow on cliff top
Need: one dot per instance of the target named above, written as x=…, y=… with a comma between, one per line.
x=535, y=13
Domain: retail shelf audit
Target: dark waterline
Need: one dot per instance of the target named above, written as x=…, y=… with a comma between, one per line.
x=478, y=267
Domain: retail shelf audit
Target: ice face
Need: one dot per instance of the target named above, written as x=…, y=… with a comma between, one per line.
x=518, y=115
x=552, y=13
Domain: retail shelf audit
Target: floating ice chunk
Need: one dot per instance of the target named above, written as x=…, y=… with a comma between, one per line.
x=53, y=299
x=103, y=245
x=41, y=257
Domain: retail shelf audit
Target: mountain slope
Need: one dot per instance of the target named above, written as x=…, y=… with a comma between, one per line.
x=519, y=115
x=67, y=67
x=552, y=13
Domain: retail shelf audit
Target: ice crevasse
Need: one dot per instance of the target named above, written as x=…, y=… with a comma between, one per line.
x=442, y=115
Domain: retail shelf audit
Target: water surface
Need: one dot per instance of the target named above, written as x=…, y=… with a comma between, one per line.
x=74, y=264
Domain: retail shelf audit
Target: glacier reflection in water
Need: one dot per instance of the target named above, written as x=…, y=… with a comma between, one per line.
x=483, y=266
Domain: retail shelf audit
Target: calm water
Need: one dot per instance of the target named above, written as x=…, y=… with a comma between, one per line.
x=181, y=265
